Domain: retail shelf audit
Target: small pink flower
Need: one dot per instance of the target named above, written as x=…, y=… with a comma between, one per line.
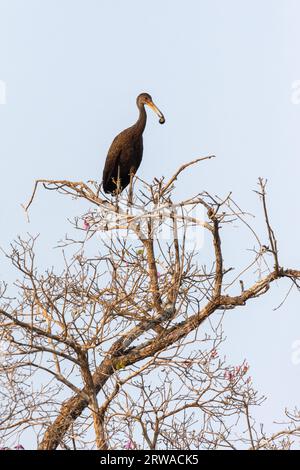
x=226, y=375
x=249, y=379
x=245, y=368
x=86, y=225
x=130, y=445
x=158, y=275
x=229, y=375
x=214, y=354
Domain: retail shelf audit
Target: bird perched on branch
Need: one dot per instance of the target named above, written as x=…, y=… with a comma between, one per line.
x=126, y=151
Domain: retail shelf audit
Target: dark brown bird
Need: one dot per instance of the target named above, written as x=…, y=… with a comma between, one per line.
x=126, y=151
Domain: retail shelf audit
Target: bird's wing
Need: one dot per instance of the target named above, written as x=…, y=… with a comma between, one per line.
x=112, y=161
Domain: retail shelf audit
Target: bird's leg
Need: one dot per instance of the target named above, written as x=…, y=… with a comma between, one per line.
x=130, y=192
x=118, y=190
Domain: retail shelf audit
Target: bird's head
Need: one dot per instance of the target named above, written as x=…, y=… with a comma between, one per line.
x=145, y=99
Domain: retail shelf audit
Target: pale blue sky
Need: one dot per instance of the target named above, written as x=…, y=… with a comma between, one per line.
x=222, y=73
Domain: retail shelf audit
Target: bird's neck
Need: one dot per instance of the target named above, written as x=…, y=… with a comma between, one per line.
x=141, y=122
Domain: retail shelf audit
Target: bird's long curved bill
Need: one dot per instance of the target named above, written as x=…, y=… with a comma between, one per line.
x=158, y=112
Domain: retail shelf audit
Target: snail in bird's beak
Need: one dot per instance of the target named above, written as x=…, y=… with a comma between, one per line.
x=157, y=111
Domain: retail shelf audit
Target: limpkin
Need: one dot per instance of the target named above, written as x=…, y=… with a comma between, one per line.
x=126, y=151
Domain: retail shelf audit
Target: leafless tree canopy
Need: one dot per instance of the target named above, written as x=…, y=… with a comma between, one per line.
x=120, y=349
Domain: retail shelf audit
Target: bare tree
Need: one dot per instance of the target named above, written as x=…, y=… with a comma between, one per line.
x=121, y=348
